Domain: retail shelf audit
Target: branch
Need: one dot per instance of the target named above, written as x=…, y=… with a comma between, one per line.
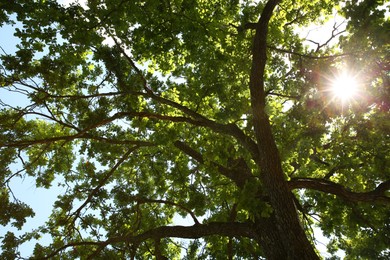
x=298, y=16
x=334, y=34
x=282, y=95
x=195, y=118
x=239, y=173
x=376, y=195
x=142, y=200
x=189, y=151
x=310, y=56
x=24, y=143
x=68, y=138
x=230, y=229
x=75, y=97
x=228, y=129
x=103, y=182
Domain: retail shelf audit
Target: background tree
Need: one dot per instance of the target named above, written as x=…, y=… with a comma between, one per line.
x=211, y=110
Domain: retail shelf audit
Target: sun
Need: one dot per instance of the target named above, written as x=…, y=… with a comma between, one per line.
x=344, y=87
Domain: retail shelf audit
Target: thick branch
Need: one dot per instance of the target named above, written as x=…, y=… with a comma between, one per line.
x=377, y=195
x=230, y=229
x=189, y=151
x=194, y=117
x=239, y=173
x=229, y=129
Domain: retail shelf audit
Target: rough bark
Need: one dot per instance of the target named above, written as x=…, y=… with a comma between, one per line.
x=270, y=239
x=294, y=243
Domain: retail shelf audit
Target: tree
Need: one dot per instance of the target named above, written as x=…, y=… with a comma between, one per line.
x=212, y=110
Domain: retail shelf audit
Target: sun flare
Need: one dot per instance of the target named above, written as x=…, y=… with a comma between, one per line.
x=344, y=87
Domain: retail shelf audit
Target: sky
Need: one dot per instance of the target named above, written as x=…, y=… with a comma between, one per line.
x=24, y=189
x=41, y=200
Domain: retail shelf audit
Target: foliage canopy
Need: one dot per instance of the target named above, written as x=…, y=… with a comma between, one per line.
x=218, y=111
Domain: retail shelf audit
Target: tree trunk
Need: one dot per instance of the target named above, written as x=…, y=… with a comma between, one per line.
x=269, y=239
x=286, y=239
x=286, y=222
